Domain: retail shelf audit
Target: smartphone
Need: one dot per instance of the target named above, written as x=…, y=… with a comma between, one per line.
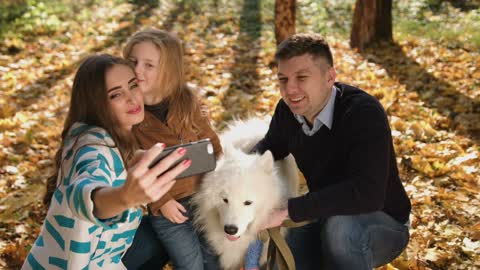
x=200, y=153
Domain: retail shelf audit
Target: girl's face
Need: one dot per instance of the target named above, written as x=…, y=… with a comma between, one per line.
x=124, y=96
x=146, y=58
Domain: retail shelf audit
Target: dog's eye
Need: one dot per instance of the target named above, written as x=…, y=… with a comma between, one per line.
x=247, y=202
x=225, y=200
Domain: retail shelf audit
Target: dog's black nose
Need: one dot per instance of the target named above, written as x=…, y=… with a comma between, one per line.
x=230, y=229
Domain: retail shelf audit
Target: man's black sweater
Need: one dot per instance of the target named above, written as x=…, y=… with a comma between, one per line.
x=350, y=169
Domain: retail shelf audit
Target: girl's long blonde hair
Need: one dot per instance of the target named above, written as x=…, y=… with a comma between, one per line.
x=183, y=104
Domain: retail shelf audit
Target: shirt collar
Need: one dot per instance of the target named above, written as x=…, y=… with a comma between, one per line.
x=325, y=117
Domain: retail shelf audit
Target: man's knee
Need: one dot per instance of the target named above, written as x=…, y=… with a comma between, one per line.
x=342, y=235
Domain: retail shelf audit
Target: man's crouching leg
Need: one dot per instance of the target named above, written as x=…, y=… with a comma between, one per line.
x=362, y=241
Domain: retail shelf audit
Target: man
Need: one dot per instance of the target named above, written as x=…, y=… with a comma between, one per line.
x=341, y=141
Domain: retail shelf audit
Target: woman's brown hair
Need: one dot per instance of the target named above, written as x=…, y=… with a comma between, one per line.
x=182, y=102
x=89, y=105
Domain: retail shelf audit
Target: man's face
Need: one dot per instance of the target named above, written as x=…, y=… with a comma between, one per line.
x=305, y=84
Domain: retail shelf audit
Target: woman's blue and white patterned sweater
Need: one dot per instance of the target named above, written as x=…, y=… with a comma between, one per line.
x=72, y=237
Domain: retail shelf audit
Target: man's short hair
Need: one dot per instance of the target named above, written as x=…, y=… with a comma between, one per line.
x=300, y=44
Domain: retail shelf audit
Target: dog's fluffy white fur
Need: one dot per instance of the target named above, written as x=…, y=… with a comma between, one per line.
x=241, y=192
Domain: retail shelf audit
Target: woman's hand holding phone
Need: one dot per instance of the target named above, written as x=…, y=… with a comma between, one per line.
x=144, y=185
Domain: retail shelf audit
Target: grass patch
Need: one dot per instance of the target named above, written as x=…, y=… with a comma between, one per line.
x=330, y=17
x=455, y=26
x=453, y=23
x=22, y=18
x=22, y=21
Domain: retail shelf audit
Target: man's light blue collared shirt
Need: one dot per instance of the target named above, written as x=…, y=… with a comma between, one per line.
x=325, y=117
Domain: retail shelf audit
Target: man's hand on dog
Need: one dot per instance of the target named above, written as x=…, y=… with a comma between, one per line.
x=277, y=216
x=172, y=210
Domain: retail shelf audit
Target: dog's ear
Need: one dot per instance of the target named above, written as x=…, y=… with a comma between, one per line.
x=266, y=161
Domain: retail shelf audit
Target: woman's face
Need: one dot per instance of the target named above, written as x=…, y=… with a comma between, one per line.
x=146, y=58
x=124, y=96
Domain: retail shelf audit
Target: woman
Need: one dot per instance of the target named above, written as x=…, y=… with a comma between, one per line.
x=172, y=116
x=93, y=211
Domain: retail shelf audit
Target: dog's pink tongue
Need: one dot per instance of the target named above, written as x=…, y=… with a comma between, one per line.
x=232, y=238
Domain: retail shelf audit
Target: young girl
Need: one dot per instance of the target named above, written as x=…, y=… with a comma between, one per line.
x=172, y=116
x=93, y=213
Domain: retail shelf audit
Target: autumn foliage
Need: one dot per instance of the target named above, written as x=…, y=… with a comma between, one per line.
x=430, y=91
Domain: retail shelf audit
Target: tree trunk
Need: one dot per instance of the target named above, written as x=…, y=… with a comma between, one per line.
x=372, y=22
x=284, y=19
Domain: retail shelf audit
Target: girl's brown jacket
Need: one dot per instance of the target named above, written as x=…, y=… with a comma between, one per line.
x=152, y=131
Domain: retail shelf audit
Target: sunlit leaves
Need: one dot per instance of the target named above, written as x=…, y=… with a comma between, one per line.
x=430, y=92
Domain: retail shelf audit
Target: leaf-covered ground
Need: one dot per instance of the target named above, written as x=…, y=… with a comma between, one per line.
x=430, y=91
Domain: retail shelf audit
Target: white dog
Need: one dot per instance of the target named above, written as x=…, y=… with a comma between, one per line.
x=235, y=199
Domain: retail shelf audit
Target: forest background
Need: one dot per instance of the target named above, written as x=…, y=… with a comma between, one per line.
x=428, y=80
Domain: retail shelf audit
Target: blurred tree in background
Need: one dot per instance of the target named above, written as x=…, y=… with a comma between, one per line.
x=284, y=19
x=372, y=23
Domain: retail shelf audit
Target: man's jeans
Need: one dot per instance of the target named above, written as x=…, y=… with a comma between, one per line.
x=185, y=246
x=348, y=242
x=146, y=251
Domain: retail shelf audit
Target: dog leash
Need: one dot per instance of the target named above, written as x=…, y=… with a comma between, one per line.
x=278, y=250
